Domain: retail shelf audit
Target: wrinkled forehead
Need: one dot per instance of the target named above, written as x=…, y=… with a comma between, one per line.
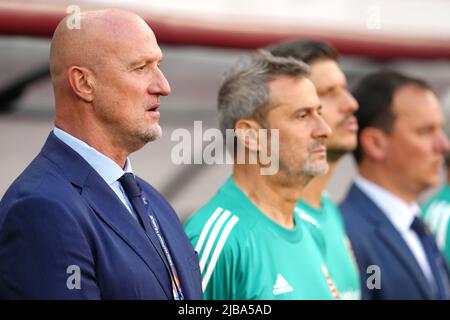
x=130, y=47
x=140, y=47
x=293, y=92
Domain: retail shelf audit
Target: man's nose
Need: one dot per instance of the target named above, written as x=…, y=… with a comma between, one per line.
x=159, y=84
x=349, y=103
x=322, y=130
x=443, y=143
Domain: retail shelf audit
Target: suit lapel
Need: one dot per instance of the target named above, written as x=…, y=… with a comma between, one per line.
x=392, y=238
x=106, y=205
x=109, y=208
x=395, y=242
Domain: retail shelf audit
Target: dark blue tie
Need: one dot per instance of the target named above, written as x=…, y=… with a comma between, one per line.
x=435, y=259
x=134, y=194
x=151, y=227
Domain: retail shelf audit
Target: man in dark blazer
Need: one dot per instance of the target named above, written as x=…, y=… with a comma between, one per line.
x=400, y=153
x=77, y=223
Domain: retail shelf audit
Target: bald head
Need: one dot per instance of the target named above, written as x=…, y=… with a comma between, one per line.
x=98, y=37
x=107, y=81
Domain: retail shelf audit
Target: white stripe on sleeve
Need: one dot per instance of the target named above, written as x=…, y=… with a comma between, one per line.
x=212, y=238
x=206, y=228
x=223, y=238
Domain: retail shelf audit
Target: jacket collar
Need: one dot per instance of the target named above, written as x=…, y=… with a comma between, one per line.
x=390, y=236
x=106, y=205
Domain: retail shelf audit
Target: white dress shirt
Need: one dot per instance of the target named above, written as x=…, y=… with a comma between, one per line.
x=401, y=215
x=105, y=167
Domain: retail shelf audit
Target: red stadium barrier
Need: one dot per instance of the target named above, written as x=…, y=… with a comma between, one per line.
x=181, y=30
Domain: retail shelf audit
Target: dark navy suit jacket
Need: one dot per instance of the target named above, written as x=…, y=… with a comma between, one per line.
x=60, y=215
x=375, y=241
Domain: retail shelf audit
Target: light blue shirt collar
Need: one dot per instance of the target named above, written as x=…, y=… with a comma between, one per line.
x=109, y=170
x=400, y=213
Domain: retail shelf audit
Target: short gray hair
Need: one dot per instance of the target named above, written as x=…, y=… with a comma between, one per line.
x=244, y=93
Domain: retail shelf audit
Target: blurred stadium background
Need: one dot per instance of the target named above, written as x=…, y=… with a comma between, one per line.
x=200, y=39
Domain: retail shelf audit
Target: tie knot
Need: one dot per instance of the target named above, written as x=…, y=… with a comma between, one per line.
x=130, y=185
x=419, y=227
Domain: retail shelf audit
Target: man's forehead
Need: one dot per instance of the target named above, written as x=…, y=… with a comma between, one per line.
x=417, y=108
x=326, y=73
x=147, y=56
x=127, y=32
x=135, y=52
x=295, y=95
x=412, y=98
x=288, y=86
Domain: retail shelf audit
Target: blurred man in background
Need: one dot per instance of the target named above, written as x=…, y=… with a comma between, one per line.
x=77, y=223
x=400, y=152
x=338, y=107
x=250, y=242
x=436, y=211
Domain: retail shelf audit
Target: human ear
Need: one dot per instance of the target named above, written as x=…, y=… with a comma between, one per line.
x=81, y=82
x=247, y=133
x=374, y=143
